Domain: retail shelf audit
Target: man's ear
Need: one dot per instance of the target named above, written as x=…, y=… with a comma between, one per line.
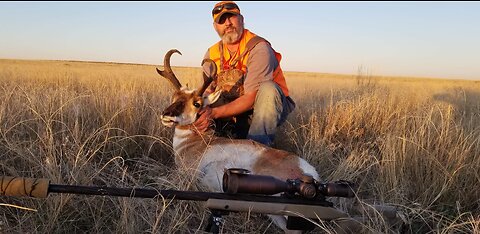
x=212, y=98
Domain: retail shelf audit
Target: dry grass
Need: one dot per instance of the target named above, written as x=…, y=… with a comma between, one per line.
x=414, y=143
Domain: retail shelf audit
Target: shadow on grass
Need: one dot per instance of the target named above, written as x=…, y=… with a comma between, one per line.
x=467, y=106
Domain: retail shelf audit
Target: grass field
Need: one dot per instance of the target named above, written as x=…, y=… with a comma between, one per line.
x=410, y=142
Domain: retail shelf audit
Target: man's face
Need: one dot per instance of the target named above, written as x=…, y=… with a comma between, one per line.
x=229, y=28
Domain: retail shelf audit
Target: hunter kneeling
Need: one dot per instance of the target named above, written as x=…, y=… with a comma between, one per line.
x=255, y=99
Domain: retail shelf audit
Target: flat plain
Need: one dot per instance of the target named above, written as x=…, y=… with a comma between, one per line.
x=409, y=142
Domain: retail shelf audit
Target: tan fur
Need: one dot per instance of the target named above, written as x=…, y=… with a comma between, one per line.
x=191, y=147
x=278, y=163
x=191, y=150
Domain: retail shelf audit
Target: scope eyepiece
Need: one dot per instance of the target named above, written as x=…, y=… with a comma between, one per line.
x=340, y=188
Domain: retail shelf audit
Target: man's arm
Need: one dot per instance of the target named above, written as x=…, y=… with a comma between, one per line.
x=238, y=106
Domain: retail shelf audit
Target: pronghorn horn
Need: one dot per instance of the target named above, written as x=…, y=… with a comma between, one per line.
x=168, y=73
x=207, y=80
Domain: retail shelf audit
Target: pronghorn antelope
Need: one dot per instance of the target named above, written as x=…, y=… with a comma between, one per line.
x=209, y=155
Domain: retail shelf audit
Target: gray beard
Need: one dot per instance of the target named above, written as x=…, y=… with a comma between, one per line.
x=230, y=38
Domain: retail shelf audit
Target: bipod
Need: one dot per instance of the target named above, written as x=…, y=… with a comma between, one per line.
x=215, y=221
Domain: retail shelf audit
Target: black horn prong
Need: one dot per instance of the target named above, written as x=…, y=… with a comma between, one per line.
x=167, y=72
x=207, y=80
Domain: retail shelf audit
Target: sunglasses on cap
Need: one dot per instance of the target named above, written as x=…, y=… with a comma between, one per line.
x=228, y=6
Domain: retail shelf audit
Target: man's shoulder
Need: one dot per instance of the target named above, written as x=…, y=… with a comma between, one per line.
x=256, y=40
x=262, y=47
x=261, y=55
x=262, y=44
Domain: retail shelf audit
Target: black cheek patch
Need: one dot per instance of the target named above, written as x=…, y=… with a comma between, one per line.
x=175, y=109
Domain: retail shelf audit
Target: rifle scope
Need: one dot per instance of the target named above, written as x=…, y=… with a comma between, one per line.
x=237, y=180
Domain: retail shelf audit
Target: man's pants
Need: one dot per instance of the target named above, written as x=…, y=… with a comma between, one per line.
x=270, y=110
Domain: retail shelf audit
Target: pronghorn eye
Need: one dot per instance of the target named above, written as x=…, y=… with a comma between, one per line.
x=196, y=104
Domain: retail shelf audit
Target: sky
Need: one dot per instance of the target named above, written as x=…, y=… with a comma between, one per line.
x=420, y=39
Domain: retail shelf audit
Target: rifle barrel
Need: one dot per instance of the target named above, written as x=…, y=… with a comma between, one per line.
x=178, y=194
x=128, y=192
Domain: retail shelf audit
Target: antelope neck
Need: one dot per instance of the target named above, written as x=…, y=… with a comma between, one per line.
x=185, y=137
x=190, y=129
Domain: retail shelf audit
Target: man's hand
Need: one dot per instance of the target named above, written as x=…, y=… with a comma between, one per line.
x=239, y=105
x=205, y=120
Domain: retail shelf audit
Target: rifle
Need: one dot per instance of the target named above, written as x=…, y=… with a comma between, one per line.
x=301, y=199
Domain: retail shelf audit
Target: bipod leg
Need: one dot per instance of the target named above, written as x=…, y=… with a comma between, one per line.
x=215, y=221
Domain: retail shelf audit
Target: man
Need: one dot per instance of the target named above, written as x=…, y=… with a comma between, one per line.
x=262, y=85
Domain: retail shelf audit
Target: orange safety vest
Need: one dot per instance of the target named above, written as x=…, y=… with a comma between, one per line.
x=215, y=55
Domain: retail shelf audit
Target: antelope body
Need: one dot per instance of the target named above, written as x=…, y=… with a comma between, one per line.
x=209, y=155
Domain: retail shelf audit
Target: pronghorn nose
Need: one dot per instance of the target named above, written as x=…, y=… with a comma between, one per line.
x=174, y=110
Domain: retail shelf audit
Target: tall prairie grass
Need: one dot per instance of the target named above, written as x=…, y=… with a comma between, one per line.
x=412, y=143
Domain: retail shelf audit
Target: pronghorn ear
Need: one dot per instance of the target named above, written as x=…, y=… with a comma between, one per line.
x=211, y=98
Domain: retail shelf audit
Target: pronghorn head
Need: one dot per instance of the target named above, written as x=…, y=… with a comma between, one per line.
x=186, y=103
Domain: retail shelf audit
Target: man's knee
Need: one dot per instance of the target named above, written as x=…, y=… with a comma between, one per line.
x=269, y=89
x=268, y=96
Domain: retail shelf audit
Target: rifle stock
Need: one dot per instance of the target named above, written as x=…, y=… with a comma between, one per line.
x=299, y=210
x=21, y=187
